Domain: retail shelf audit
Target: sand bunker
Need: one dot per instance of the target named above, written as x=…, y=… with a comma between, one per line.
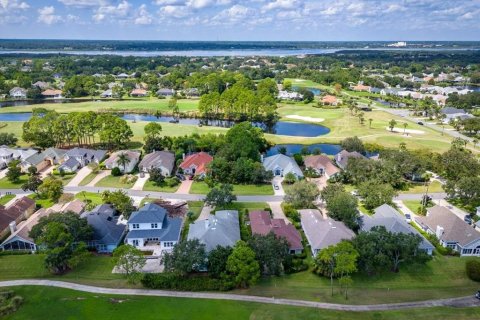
x=409, y=131
x=307, y=119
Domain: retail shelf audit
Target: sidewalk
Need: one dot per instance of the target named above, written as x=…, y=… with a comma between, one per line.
x=277, y=211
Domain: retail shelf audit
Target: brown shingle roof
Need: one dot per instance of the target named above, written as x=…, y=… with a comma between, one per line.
x=321, y=161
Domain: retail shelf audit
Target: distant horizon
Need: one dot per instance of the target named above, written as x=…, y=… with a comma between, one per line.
x=246, y=41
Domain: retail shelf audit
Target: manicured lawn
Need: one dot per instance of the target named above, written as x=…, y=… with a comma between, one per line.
x=4, y=200
x=413, y=205
x=196, y=208
x=44, y=203
x=199, y=187
x=6, y=184
x=88, y=179
x=435, y=186
x=113, y=182
x=94, y=198
x=43, y=302
x=150, y=186
x=66, y=178
x=246, y=205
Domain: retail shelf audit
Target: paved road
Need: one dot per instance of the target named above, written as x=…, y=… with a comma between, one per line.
x=469, y=301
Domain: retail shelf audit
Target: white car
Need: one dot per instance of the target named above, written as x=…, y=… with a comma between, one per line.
x=408, y=217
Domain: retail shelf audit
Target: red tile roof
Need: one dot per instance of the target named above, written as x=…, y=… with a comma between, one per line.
x=329, y=99
x=51, y=92
x=262, y=223
x=199, y=160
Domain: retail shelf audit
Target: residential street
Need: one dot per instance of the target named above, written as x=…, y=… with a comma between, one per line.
x=468, y=301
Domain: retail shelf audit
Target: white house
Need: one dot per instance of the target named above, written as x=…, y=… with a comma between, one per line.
x=451, y=231
x=18, y=93
x=114, y=160
x=151, y=228
x=281, y=164
x=8, y=154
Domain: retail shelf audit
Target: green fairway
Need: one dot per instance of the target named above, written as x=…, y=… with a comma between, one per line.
x=144, y=104
x=199, y=187
x=113, y=182
x=150, y=186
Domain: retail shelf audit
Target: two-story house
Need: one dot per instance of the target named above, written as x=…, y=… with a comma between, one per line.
x=151, y=228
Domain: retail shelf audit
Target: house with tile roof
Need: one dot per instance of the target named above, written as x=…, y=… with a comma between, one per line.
x=322, y=231
x=137, y=92
x=341, y=158
x=163, y=160
x=221, y=229
x=196, y=164
x=394, y=222
x=113, y=160
x=450, y=230
x=12, y=215
x=322, y=165
x=52, y=94
x=150, y=228
x=262, y=223
x=280, y=165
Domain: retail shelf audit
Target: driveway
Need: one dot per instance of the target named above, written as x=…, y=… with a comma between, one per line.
x=102, y=174
x=321, y=182
x=140, y=182
x=277, y=181
x=206, y=210
x=468, y=301
x=277, y=211
x=185, y=187
x=81, y=174
x=45, y=172
x=3, y=173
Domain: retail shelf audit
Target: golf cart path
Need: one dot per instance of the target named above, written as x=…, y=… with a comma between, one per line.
x=469, y=301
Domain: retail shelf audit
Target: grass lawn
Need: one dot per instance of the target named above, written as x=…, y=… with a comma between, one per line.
x=88, y=179
x=199, y=187
x=150, y=186
x=113, y=182
x=6, y=184
x=196, y=208
x=4, y=200
x=246, y=205
x=95, y=198
x=145, y=104
x=65, y=179
x=43, y=302
x=43, y=203
x=435, y=186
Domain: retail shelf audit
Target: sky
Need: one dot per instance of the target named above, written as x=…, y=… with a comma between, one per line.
x=230, y=20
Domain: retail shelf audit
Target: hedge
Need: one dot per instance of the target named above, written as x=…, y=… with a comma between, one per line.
x=171, y=281
x=473, y=269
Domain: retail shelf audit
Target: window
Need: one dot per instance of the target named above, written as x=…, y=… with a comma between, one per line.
x=135, y=243
x=154, y=225
x=135, y=226
x=168, y=244
x=467, y=251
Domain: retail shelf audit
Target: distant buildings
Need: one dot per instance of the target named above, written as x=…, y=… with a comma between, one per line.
x=18, y=93
x=289, y=95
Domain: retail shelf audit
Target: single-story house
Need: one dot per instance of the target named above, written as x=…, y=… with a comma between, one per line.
x=138, y=92
x=41, y=85
x=388, y=217
x=150, y=228
x=165, y=92
x=192, y=92
x=10, y=216
x=451, y=113
x=221, y=229
x=281, y=164
x=289, y=95
x=163, y=160
x=451, y=231
x=329, y=100
x=20, y=239
x=122, y=76
x=107, y=94
x=196, y=164
x=18, y=93
x=343, y=156
x=8, y=154
x=79, y=157
x=262, y=223
x=113, y=160
x=44, y=159
x=322, y=165
x=52, y=93
x=361, y=87
x=321, y=231
x=108, y=231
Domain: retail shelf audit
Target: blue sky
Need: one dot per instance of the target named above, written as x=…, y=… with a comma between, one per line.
x=241, y=20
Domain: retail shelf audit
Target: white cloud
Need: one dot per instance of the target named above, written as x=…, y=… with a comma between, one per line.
x=282, y=4
x=47, y=15
x=84, y=3
x=394, y=7
x=143, y=16
x=199, y=4
x=13, y=5
x=172, y=11
x=111, y=11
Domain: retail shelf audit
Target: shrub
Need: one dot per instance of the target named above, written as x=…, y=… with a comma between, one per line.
x=172, y=182
x=473, y=269
x=171, y=281
x=129, y=178
x=290, y=212
x=9, y=303
x=116, y=172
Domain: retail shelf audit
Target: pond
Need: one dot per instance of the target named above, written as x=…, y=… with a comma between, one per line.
x=281, y=128
x=326, y=148
x=315, y=91
x=22, y=103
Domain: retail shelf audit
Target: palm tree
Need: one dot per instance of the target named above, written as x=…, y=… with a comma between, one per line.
x=426, y=176
x=405, y=127
x=370, y=123
x=123, y=160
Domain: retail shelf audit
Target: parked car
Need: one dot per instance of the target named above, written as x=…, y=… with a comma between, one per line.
x=420, y=123
x=181, y=177
x=408, y=217
x=477, y=295
x=468, y=219
x=276, y=187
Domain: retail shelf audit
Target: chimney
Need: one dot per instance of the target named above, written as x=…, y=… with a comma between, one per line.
x=478, y=210
x=439, y=232
x=183, y=156
x=13, y=226
x=261, y=158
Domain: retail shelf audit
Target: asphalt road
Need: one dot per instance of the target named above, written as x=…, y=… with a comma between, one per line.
x=469, y=301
